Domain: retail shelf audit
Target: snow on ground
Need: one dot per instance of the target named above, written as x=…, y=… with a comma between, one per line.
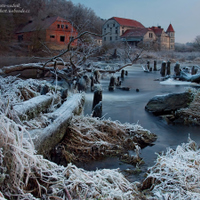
x=171, y=81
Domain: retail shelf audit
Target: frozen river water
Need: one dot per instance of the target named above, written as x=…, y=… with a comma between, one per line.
x=129, y=106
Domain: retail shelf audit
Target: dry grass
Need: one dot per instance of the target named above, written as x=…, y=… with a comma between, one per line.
x=91, y=138
x=191, y=115
x=176, y=173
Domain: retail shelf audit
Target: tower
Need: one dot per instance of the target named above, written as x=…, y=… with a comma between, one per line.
x=171, y=33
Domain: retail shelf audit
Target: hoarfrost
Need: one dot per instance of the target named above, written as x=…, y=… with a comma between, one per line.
x=176, y=173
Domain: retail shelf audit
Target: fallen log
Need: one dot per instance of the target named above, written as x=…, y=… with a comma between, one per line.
x=47, y=138
x=31, y=108
x=21, y=67
x=188, y=77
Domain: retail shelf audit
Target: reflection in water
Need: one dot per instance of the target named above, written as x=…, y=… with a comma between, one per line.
x=128, y=106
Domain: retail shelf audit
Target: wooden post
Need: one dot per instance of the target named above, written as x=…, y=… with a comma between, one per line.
x=155, y=66
x=162, y=71
x=168, y=68
x=92, y=83
x=177, y=69
x=112, y=84
x=97, y=103
x=148, y=65
x=122, y=74
x=194, y=70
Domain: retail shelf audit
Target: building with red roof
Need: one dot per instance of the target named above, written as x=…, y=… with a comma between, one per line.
x=55, y=32
x=120, y=29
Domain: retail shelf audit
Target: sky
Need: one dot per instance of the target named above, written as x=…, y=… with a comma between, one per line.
x=184, y=15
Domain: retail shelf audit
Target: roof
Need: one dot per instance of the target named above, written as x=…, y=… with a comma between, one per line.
x=40, y=24
x=170, y=29
x=138, y=32
x=157, y=30
x=128, y=22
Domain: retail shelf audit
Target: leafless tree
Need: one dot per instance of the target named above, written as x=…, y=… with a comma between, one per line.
x=197, y=42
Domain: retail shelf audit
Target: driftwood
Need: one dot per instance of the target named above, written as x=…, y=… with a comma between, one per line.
x=188, y=77
x=31, y=108
x=47, y=138
x=21, y=67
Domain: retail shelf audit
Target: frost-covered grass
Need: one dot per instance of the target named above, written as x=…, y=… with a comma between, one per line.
x=26, y=175
x=176, y=173
x=90, y=138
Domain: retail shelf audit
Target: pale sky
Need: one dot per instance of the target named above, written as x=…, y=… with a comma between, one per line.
x=184, y=15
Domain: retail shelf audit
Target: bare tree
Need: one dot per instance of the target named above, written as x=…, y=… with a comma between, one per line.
x=197, y=42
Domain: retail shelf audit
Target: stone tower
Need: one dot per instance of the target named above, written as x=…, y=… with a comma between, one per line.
x=170, y=31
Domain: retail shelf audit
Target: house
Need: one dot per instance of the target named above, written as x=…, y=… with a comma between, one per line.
x=97, y=40
x=136, y=34
x=54, y=32
x=115, y=27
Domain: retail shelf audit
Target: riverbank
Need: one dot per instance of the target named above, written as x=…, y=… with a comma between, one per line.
x=45, y=176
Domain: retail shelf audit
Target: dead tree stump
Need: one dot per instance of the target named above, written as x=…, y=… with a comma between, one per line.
x=122, y=74
x=155, y=65
x=168, y=68
x=163, y=67
x=177, y=69
x=97, y=103
x=92, y=83
x=194, y=70
x=148, y=65
x=112, y=84
x=97, y=111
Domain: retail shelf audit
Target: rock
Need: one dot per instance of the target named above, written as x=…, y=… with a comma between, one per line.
x=166, y=104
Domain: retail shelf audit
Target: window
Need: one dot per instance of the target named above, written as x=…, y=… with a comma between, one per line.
x=20, y=38
x=104, y=38
x=116, y=38
x=62, y=26
x=113, y=25
x=66, y=26
x=150, y=35
x=52, y=36
x=62, y=38
x=116, y=31
x=107, y=25
x=110, y=38
x=122, y=31
x=58, y=25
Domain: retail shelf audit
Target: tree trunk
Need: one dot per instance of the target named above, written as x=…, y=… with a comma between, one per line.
x=47, y=138
x=31, y=108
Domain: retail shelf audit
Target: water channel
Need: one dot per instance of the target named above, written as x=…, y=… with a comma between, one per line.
x=129, y=106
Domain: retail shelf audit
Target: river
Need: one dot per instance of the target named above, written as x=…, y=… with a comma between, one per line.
x=129, y=106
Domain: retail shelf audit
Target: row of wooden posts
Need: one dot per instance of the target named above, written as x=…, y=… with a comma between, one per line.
x=166, y=68
x=97, y=99
x=164, y=71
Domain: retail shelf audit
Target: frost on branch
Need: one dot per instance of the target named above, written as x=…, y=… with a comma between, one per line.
x=30, y=176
